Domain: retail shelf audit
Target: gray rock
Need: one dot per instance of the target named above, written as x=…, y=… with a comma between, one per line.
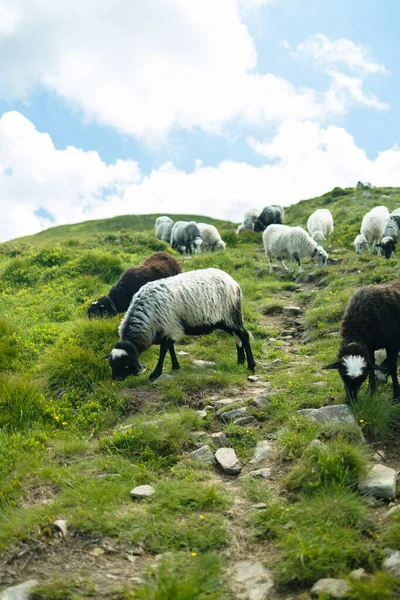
x=341, y=414
x=291, y=310
x=261, y=473
x=208, y=407
x=203, y=455
x=262, y=451
x=393, y=511
x=227, y=459
x=380, y=482
x=316, y=444
x=274, y=363
x=23, y=591
x=333, y=588
x=142, y=491
x=255, y=582
x=202, y=414
x=219, y=439
x=253, y=378
x=391, y=564
x=224, y=402
x=182, y=353
x=358, y=575
x=61, y=527
x=261, y=401
x=163, y=377
x=231, y=415
x=379, y=456
x=204, y=363
x=258, y=506
x=244, y=421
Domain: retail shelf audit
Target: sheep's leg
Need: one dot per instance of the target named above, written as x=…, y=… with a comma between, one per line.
x=297, y=259
x=392, y=366
x=284, y=267
x=329, y=240
x=240, y=354
x=164, y=347
x=243, y=335
x=372, y=382
x=174, y=360
x=271, y=269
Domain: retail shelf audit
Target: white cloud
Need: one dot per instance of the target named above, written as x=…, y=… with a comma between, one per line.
x=144, y=67
x=344, y=88
x=344, y=52
x=74, y=185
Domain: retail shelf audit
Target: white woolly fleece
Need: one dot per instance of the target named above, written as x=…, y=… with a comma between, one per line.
x=284, y=241
x=210, y=236
x=118, y=352
x=248, y=219
x=320, y=221
x=355, y=365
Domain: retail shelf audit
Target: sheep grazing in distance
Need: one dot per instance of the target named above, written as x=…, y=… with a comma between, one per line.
x=185, y=237
x=163, y=228
x=390, y=233
x=270, y=215
x=158, y=266
x=282, y=241
x=320, y=225
x=371, y=321
x=162, y=312
x=371, y=230
x=248, y=220
x=211, y=237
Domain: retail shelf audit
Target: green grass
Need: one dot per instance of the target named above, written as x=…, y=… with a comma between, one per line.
x=60, y=413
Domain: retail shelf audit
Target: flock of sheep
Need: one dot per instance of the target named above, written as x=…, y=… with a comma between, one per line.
x=163, y=304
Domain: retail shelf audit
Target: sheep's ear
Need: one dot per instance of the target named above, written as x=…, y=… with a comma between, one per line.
x=335, y=365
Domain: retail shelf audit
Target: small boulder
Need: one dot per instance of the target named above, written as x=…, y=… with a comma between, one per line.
x=254, y=581
x=258, y=506
x=203, y=455
x=253, y=378
x=358, y=575
x=341, y=414
x=163, y=377
x=244, y=421
x=391, y=564
x=261, y=401
x=261, y=473
x=333, y=588
x=291, y=310
x=227, y=459
x=142, y=491
x=202, y=414
x=23, y=591
x=223, y=402
x=204, y=363
x=316, y=444
x=379, y=456
x=219, y=439
x=380, y=482
x=231, y=415
x=262, y=451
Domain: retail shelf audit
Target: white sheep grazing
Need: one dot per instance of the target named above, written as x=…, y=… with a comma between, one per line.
x=211, y=237
x=249, y=217
x=163, y=311
x=282, y=241
x=320, y=225
x=371, y=230
x=163, y=228
x=185, y=237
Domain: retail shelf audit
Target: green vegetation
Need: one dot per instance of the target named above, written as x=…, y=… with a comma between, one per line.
x=73, y=443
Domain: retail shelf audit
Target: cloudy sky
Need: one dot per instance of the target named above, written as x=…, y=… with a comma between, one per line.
x=111, y=107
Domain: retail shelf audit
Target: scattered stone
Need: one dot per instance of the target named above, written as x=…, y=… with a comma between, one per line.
x=203, y=455
x=287, y=337
x=96, y=552
x=341, y=414
x=182, y=353
x=395, y=509
x=262, y=473
x=392, y=564
x=163, y=377
x=358, y=575
x=253, y=378
x=262, y=451
x=204, y=363
x=272, y=339
x=258, y=506
x=254, y=580
x=197, y=434
x=142, y=491
x=61, y=526
x=223, y=402
x=274, y=363
x=19, y=592
x=219, y=439
x=231, y=415
x=244, y=421
x=380, y=482
x=379, y=456
x=316, y=444
x=208, y=407
x=333, y=588
x=227, y=459
x=291, y=310
x=202, y=414
x=261, y=401
x=290, y=331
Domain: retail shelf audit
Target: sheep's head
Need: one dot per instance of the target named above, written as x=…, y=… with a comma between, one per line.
x=360, y=243
x=197, y=242
x=388, y=246
x=220, y=245
x=258, y=225
x=103, y=307
x=319, y=237
x=124, y=361
x=354, y=367
x=320, y=256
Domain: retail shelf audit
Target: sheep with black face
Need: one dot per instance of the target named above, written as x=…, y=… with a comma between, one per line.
x=158, y=266
x=270, y=215
x=371, y=322
x=162, y=312
x=390, y=233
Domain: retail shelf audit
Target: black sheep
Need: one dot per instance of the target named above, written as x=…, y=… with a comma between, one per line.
x=270, y=215
x=158, y=266
x=371, y=321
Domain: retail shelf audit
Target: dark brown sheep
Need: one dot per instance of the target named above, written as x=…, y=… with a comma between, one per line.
x=158, y=266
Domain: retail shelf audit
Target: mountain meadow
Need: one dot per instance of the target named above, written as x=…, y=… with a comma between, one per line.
x=74, y=443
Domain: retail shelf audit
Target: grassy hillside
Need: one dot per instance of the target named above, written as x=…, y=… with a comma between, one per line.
x=73, y=443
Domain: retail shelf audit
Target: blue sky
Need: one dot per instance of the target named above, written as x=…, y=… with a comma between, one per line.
x=131, y=106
